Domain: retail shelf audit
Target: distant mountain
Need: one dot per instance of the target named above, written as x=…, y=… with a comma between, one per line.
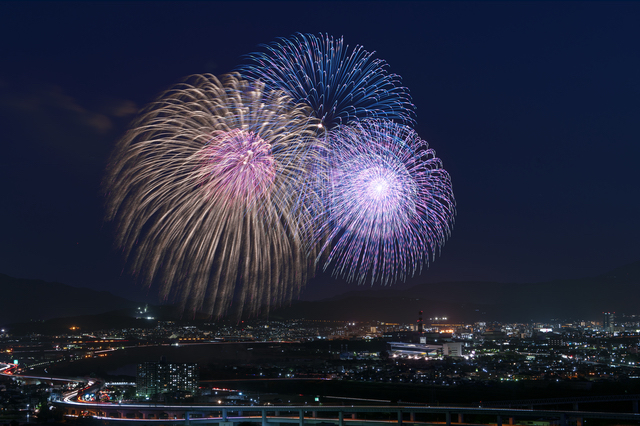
x=393, y=307
x=585, y=298
x=24, y=300
x=120, y=319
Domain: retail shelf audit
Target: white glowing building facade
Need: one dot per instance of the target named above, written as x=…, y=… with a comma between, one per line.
x=155, y=377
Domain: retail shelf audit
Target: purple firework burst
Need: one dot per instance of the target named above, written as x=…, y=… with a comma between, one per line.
x=389, y=204
x=238, y=164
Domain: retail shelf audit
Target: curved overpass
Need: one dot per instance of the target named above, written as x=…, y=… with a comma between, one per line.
x=11, y=370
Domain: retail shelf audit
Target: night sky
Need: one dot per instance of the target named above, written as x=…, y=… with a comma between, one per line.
x=532, y=106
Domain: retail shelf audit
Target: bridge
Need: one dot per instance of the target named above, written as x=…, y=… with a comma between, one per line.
x=156, y=415
x=574, y=401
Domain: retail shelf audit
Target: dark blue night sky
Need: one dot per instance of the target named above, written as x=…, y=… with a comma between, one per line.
x=534, y=108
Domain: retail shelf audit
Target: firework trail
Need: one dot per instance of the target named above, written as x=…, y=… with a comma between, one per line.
x=208, y=191
x=340, y=85
x=389, y=203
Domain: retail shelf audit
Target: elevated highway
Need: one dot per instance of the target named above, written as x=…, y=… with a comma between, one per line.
x=324, y=415
x=154, y=414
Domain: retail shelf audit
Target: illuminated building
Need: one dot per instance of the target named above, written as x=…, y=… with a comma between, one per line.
x=607, y=323
x=453, y=349
x=155, y=377
x=414, y=349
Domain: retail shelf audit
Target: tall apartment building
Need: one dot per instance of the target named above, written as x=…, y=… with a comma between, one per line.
x=154, y=377
x=608, y=321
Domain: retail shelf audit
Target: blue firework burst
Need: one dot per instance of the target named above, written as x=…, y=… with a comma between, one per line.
x=340, y=84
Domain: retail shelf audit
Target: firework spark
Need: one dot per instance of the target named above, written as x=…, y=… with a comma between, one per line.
x=340, y=85
x=207, y=189
x=389, y=203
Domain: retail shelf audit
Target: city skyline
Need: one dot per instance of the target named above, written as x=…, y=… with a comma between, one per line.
x=530, y=106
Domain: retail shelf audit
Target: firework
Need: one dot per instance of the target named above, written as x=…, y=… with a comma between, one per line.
x=340, y=85
x=207, y=189
x=389, y=203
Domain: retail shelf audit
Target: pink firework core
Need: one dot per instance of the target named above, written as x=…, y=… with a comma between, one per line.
x=237, y=164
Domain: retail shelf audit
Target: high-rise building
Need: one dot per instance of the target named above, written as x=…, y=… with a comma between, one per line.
x=154, y=377
x=608, y=321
